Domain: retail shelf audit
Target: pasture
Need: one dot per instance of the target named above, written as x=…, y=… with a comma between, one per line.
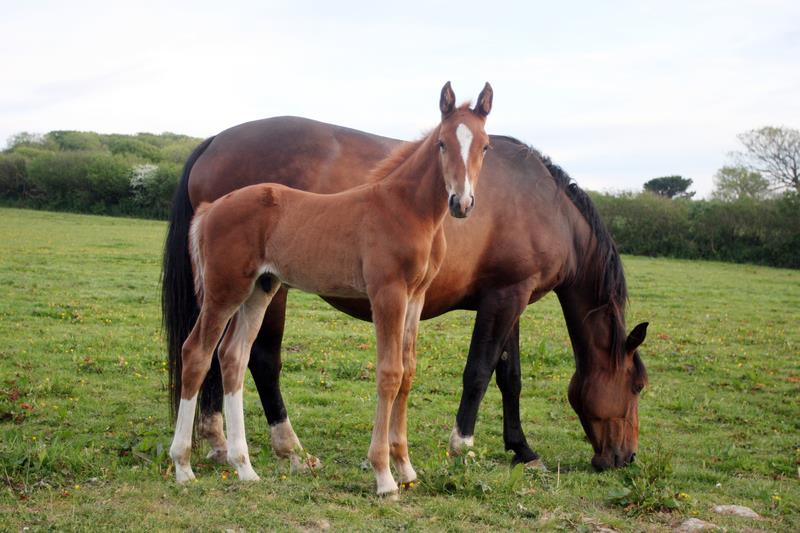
x=85, y=425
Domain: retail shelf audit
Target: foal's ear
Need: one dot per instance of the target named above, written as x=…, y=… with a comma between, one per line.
x=636, y=337
x=484, y=104
x=447, y=102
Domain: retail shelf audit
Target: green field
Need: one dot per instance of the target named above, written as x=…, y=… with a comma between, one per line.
x=84, y=424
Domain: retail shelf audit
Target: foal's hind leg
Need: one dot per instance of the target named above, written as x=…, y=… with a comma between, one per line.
x=233, y=356
x=196, y=358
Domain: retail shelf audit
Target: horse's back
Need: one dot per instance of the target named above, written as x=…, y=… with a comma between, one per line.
x=297, y=152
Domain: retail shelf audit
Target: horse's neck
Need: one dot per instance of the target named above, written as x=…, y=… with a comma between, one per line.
x=588, y=322
x=418, y=183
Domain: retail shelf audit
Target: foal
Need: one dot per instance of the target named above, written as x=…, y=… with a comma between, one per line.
x=383, y=240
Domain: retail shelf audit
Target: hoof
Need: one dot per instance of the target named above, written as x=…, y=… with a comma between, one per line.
x=184, y=474
x=459, y=443
x=391, y=496
x=246, y=473
x=301, y=464
x=536, y=464
x=218, y=455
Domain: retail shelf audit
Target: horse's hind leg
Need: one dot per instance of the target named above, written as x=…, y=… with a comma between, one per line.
x=196, y=358
x=234, y=354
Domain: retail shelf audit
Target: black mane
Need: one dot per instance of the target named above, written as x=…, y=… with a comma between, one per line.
x=605, y=271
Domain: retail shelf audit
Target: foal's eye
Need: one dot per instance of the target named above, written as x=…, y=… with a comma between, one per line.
x=485, y=148
x=441, y=146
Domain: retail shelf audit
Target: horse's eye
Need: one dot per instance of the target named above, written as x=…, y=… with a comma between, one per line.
x=441, y=146
x=485, y=148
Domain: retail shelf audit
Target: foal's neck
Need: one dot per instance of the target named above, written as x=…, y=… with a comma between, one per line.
x=418, y=183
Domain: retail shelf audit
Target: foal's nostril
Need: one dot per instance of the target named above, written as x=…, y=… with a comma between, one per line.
x=471, y=201
x=453, y=201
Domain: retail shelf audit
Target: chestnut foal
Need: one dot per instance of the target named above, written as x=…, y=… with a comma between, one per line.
x=382, y=240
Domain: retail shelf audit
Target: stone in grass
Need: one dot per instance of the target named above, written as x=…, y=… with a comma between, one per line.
x=736, y=510
x=694, y=524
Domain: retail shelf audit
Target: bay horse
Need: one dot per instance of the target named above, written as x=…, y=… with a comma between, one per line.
x=533, y=231
x=381, y=241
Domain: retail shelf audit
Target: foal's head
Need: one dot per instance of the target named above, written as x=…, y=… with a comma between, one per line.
x=462, y=144
x=606, y=399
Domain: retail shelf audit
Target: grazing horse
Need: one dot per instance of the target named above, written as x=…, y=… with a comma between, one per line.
x=382, y=241
x=532, y=231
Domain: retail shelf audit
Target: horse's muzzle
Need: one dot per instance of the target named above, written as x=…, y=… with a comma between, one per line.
x=460, y=206
x=614, y=460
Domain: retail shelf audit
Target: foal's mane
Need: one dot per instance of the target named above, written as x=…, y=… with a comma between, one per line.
x=402, y=153
x=392, y=162
x=602, y=265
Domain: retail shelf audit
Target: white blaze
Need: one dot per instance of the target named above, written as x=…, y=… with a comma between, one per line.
x=464, y=136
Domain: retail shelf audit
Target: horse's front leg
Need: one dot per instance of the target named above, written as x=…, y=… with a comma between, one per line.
x=509, y=381
x=498, y=311
x=389, y=303
x=398, y=439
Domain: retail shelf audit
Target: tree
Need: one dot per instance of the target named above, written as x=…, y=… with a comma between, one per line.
x=670, y=187
x=736, y=182
x=774, y=153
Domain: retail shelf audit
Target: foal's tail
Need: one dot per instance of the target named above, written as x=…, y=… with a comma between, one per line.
x=178, y=301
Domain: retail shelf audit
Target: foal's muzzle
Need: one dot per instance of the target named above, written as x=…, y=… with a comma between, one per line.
x=460, y=206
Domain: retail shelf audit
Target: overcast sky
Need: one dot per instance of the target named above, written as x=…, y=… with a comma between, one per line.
x=615, y=92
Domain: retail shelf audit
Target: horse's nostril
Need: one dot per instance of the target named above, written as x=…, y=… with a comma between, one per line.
x=633, y=458
x=453, y=201
x=472, y=201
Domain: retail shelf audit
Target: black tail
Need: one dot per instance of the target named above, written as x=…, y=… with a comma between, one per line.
x=178, y=302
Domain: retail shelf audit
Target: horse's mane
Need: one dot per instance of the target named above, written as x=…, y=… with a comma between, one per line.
x=607, y=273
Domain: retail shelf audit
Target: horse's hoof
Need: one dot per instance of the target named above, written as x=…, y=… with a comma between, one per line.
x=536, y=464
x=309, y=462
x=218, y=455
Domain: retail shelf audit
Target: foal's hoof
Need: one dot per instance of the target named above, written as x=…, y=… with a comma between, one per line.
x=246, y=473
x=184, y=474
x=218, y=455
x=391, y=496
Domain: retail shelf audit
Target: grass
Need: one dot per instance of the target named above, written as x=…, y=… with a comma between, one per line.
x=84, y=422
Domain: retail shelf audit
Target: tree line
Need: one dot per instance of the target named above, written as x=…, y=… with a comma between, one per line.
x=109, y=174
x=753, y=215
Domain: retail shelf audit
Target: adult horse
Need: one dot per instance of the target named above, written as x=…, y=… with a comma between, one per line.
x=382, y=241
x=532, y=231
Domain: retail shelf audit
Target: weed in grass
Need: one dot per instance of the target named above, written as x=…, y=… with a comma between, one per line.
x=645, y=485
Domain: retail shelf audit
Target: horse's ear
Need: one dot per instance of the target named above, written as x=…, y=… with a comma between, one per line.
x=447, y=102
x=636, y=337
x=484, y=104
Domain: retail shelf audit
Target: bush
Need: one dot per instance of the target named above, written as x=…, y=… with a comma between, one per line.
x=79, y=181
x=14, y=182
x=746, y=230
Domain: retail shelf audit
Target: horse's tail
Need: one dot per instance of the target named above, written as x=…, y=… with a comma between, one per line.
x=178, y=301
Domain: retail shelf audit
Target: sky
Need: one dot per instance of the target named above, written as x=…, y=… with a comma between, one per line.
x=615, y=92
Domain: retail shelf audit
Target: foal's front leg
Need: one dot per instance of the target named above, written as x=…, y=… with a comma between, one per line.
x=398, y=438
x=388, y=315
